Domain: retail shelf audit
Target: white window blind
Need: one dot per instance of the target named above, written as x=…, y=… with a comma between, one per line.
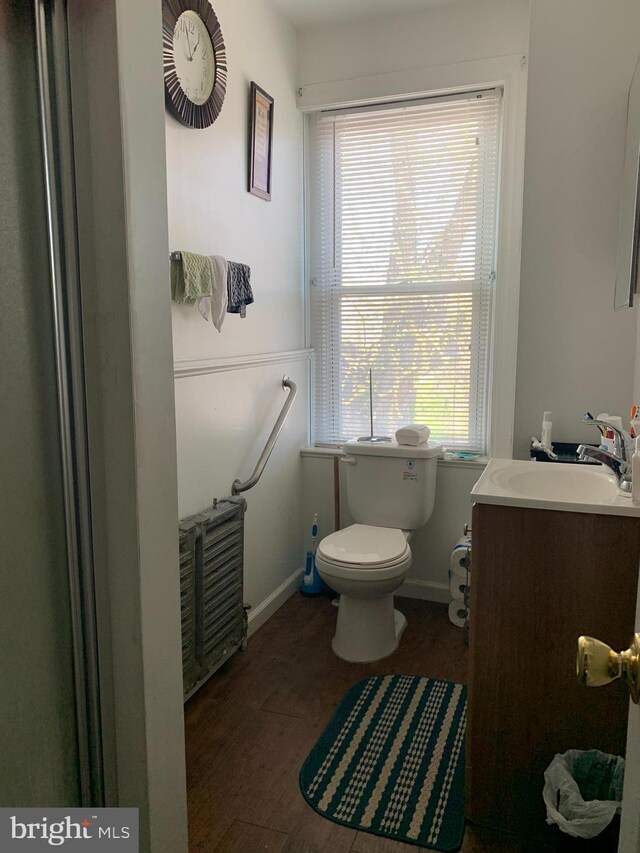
x=403, y=246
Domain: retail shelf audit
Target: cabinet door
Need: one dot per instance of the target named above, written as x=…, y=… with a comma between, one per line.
x=630, y=825
x=540, y=580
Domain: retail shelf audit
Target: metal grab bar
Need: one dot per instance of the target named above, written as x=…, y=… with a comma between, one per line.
x=238, y=486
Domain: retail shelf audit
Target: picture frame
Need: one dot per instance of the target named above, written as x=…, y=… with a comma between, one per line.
x=260, y=142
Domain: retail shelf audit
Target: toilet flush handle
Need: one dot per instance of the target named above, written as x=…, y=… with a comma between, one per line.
x=349, y=460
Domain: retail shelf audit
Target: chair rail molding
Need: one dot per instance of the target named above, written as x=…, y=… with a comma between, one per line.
x=203, y=366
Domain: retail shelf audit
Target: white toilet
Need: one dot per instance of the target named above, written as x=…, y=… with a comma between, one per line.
x=391, y=491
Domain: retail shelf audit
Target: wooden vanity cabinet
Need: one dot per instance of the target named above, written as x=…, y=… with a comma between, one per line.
x=540, y=579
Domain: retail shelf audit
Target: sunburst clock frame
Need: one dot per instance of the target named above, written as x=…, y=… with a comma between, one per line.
x=195, y=62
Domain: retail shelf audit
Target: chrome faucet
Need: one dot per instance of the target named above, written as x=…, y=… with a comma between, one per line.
x=617, y=462
x=621, y=469
x=622, y=439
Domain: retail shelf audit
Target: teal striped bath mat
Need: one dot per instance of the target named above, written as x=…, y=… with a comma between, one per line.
x=391, y=761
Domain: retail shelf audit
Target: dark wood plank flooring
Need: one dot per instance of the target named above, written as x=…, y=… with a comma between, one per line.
x=249, y=729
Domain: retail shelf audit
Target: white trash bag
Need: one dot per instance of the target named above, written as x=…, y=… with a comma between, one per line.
x=583, y=791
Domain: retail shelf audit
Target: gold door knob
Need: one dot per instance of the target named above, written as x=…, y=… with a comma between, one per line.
x=598, y=664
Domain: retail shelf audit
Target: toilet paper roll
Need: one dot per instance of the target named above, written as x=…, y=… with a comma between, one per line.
x=457, y=587
x=457, y=565
x=458, y=613
x=459, y=557
x=460, y=576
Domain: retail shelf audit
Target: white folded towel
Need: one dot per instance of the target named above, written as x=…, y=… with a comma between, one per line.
x=413, y=434
x=216, y=304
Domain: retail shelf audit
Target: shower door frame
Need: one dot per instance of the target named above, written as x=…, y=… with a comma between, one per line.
x=117, y=135
x=52, y=51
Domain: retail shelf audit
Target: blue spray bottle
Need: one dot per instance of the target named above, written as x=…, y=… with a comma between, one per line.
x=311, y=580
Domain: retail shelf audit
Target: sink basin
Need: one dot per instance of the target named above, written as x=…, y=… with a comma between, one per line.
x=572, y=488
x=578, y=484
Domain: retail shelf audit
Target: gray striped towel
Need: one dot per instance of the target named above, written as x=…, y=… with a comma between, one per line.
x=239, y=288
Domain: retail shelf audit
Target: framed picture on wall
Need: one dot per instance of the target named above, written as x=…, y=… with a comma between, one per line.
x=260, y=142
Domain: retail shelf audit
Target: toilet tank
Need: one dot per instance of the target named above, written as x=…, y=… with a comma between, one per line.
x=390, y=485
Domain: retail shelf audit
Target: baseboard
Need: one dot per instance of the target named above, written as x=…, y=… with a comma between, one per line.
x=426, y=590
x=412, y=588
x=259, y=615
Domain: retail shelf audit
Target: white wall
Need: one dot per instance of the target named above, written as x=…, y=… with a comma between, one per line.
x=575, y=353
x=453, y=32
x=223, y=421
x=210, y=210
x=445, y=35
x=224, y=416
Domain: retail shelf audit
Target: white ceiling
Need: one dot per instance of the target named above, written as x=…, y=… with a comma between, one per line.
x=306, y=13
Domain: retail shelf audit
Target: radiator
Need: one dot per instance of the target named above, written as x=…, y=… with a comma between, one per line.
x=219, y=616
x=190, y=668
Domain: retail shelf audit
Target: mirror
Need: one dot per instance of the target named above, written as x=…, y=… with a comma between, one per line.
x=628, y=227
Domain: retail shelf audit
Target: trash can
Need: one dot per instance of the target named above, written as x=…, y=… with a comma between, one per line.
x=583, y=791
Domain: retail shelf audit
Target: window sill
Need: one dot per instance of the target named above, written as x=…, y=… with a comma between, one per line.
x=325, y=452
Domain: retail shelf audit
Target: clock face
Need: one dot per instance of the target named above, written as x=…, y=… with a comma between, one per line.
x=195, y=62
x=193, y=57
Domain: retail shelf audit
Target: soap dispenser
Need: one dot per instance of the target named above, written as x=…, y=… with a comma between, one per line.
x=546, y=430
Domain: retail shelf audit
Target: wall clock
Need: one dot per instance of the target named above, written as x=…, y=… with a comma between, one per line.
x=195, y=62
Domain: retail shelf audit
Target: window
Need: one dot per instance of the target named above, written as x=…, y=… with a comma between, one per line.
x=403, y=259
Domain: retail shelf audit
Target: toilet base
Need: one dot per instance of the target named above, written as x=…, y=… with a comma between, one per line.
x=368, y=629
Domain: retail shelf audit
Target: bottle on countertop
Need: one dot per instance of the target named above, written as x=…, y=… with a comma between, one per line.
x=635, y=473
x=608, y=440
x=545, y=438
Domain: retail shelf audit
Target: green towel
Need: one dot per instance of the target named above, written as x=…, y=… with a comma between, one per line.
x=191, y=278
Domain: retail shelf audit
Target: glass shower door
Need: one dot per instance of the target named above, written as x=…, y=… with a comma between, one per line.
x=49, y=719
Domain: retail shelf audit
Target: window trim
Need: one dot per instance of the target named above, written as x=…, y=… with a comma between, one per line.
x=510, y=73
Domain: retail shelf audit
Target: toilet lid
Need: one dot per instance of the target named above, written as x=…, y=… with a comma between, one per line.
x=363, y=545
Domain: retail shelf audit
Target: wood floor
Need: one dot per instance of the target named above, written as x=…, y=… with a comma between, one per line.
x=249, y=729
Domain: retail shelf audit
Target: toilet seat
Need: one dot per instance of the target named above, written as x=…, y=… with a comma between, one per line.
x=365, y=553
x=364, y=545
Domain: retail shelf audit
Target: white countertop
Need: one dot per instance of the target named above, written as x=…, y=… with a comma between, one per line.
x=545, y=485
